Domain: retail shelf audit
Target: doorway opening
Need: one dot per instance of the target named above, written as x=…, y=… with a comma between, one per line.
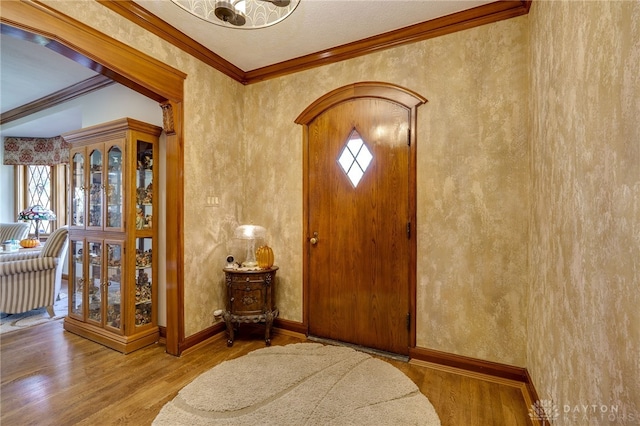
x=147, y=76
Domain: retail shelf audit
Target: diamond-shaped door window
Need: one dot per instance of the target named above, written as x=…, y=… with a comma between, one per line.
x=355, y=158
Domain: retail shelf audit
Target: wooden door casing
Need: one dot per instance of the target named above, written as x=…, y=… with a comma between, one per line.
x=148, y=76
x=360, y=276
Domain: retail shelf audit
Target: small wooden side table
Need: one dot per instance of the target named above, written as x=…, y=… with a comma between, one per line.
x=250, y=299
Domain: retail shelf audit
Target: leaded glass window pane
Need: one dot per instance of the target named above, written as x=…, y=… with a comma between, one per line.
x=39, y=191
x=355, y=158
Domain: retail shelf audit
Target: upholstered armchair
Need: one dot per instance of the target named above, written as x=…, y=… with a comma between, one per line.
x=14, y=231
x=31, y=279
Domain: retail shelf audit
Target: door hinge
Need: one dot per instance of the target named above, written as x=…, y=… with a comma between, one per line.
x=409, y=230
x=409, y=137
x=409, y=321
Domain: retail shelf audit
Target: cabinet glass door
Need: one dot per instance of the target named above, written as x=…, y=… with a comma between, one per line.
x=95, y=189
x=77, y=189
x=76, y=280
x=114, y=188
x=114, y=284
x=94, y=282
x=144, y=283
x=144, y=185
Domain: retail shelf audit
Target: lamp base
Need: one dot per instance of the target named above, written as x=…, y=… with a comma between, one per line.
x=37, y=237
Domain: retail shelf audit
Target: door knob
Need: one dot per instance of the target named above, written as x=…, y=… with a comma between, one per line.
x=314, y=240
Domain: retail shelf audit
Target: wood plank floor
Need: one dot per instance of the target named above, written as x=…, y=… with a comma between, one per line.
x=53, y=377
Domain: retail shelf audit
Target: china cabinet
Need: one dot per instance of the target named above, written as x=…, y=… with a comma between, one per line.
x=112, y=234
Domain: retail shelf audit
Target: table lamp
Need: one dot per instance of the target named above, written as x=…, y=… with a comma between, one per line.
x=252, y=236
x=37, y=213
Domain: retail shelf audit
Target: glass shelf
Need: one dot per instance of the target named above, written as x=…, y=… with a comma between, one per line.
x=95, y=189
x=114, y=262
x=76, y=279
x=144, y=281
x=78, y=189
x=144, y=186
x=114, y=188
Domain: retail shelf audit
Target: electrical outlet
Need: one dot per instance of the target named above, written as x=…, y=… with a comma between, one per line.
x=212, y=201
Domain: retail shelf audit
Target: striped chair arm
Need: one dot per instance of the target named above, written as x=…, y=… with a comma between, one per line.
x=14, y=231
x=8, y=257
x=28, y=265
x=55, y=242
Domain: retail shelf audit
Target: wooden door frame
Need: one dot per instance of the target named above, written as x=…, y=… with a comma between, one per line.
x=32, y=20
x=367, y=89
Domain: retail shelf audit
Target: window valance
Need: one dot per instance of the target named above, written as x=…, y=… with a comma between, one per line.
x=35, y=151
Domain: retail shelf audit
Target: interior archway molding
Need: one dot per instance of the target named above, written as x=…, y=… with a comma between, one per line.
x=364, y=89
x=145, y=75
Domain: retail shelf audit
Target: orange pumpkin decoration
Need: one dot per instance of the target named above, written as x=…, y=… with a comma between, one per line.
x=29, y=243
x=264, y=256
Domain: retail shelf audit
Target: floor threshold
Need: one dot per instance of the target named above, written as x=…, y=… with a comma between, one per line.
x=365, y=349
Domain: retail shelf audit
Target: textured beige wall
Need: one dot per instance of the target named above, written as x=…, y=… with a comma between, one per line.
x=584, y=305
x=473, y=189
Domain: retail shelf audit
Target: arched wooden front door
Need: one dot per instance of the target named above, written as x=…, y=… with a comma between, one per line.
x=360, y=216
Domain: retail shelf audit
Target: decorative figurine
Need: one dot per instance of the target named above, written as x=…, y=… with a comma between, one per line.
x=148, y=194
x=140, y=195
x=140, y=222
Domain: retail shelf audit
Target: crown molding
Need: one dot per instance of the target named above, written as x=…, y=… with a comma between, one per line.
x=480, y=15
x=147, y=20
x=89, y=85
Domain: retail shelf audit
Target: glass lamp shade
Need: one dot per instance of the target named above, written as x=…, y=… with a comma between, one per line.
x=37, y=213
x=250, y=232
x=249, y=238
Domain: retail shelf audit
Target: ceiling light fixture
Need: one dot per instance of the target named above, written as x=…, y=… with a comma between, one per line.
x=245, y=14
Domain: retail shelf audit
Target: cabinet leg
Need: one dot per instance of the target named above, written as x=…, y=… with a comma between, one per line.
x=227, y=319
x=268, y=326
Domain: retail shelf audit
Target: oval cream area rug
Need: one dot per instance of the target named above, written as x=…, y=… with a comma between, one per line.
x=300, y=384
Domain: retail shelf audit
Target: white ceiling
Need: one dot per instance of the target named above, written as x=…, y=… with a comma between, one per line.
x=315, y=25
x=29, y=71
